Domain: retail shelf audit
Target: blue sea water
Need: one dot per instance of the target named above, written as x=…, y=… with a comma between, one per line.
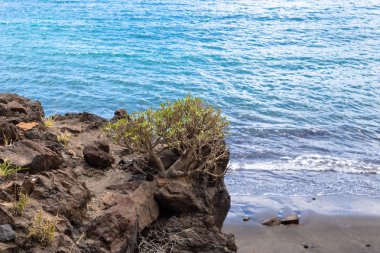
x=298, y=79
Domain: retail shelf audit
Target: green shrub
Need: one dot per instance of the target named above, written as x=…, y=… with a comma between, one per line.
x=19, y=206
x=64, y=138
x=190, y=126
x=6, y=168
x=49, y=121
x=42, y=229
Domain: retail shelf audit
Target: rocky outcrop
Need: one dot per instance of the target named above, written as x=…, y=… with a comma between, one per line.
x=18, y=109
x=114, y=230
x=8, y=132
x=194, y=210
x=112, y=209
x=31, y=155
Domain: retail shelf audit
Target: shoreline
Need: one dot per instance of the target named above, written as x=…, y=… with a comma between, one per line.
x=328, y=224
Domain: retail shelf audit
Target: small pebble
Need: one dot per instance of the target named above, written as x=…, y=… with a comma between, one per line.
x=368, y=245
x=313, y=198
x=305, y=245
x=246, y=218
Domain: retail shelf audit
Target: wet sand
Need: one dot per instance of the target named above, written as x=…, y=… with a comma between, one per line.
x=323, y=232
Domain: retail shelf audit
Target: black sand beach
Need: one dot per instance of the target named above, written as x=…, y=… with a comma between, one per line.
x=344, y=224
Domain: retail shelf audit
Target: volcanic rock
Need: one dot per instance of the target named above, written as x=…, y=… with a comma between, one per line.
x=97, y=158
x=31, y=155
x=8, y=132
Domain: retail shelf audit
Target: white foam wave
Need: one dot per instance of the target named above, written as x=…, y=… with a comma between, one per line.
x=311, y=162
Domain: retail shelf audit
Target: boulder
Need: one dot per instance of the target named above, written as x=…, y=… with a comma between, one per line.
x=8, y=132
x=31, y=155
x=6, y=233
x=146, y=206
x=97, y=158
x=115, y=230
x=103, y=145
x=178, y=197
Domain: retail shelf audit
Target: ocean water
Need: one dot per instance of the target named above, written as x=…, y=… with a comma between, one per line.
x=298, y=79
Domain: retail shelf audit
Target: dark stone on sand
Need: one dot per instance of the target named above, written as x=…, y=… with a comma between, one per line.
x=271, y=222
x=246, y=218
x=291, y=219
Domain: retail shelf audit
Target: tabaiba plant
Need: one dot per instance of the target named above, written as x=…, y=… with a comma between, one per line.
x=42, y=229
x=7, y=168
x=192, y=127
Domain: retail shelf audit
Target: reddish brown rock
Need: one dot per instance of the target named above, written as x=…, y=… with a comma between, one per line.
x=26, y=126
x=178, y=197
x=147, y=208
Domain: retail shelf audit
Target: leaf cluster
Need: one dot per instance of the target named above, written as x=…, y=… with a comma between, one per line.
x=190, y=126
x=42, y=229
x=19, y=206
x=6, y=168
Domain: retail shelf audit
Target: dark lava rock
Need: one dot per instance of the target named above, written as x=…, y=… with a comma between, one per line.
x=120, y=114
x=19, y=109
x=193, y=233
x=291, y=219
x=97, y=158
x=103, y=145
x=246, y=218
x=6, y=233
x=177, y=198
x=31, y=155
x=8, y=132
x=58, y=192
